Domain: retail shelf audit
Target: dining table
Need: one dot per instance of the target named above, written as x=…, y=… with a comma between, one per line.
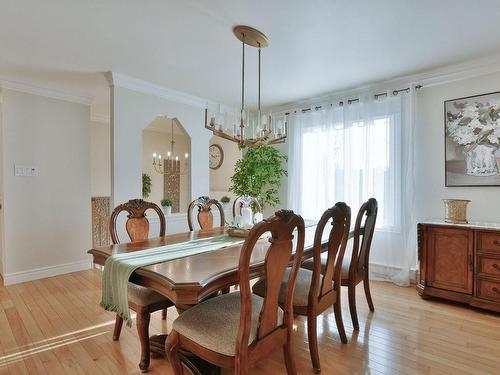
x=189, y=280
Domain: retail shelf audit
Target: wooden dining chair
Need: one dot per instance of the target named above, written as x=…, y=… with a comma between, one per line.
x=316, y=291
x=204, y=215
x=245, y=201
x=355, y=269
x=143, y=301
x=239, y=329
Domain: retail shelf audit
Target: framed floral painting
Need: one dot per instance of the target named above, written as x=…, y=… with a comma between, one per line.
x=472, y=140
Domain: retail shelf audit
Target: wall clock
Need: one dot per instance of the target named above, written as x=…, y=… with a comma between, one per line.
x=215, y=156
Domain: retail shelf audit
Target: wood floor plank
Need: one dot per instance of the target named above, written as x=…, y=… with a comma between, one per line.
x=56, y=326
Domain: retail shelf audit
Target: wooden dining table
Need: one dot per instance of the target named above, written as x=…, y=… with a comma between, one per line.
x=189, y=280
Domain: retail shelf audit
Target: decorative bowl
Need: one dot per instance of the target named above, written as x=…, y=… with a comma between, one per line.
x=238, y=232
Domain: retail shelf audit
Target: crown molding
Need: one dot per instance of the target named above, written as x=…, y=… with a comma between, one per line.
x=457, y=72
x=430, y=78
x=43, y=91
x=135, y=84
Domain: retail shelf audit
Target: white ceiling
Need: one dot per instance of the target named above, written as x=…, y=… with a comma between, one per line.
x=315, y=46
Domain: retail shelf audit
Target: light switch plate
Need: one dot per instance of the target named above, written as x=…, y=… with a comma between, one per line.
x=19, y=170
x=31, y=171
x=25, y=171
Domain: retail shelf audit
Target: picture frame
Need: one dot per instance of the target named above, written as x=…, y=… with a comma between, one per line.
x=472, y=140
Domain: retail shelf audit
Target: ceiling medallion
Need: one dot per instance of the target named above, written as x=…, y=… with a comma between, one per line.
x=244, y=126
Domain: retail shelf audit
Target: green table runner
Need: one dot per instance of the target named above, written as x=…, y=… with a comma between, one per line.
x=119, y=267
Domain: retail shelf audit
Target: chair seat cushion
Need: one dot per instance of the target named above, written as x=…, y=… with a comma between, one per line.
x=214, y=323
x=142, y=296
x=302, y=286
x=309, y=264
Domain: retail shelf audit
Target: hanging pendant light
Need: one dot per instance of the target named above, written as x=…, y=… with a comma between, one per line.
x=248, y=127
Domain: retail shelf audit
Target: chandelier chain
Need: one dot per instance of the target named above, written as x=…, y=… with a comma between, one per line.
x=254, y=127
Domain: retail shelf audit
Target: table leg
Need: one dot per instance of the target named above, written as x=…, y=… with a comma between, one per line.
x=195, y=365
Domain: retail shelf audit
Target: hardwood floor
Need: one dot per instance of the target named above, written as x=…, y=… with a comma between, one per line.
x=55, y=326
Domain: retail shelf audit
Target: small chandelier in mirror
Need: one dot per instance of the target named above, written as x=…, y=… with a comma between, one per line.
x=171, y=164
x=245, y=126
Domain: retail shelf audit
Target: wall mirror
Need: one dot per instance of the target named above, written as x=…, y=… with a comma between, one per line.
x=166, y=154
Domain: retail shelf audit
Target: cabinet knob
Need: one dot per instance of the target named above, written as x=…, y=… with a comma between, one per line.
x=496, y=266
x=495, y=289
x=496, y=242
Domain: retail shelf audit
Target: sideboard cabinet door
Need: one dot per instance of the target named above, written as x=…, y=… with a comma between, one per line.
x=450, y=259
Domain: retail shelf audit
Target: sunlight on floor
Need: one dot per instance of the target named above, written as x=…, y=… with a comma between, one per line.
x=53, y=343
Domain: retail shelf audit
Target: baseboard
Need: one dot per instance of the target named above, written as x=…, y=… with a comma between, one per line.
x=386, y=272
x=41, y=273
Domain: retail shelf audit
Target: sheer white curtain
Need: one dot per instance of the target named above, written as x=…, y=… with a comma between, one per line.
x=351, y=153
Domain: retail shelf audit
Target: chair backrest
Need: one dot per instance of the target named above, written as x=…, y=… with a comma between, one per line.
x=137, y=224
x=278, y=257
x=363, y=234
x=340, y=217
x=204, y=216
x=245, y=201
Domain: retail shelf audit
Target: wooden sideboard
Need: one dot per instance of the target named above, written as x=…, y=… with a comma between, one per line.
x=460, y=262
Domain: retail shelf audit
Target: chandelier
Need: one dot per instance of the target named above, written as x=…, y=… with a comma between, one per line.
x=171, y=165
x=244, y=126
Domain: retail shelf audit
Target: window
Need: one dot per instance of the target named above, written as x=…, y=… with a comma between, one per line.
x=347, y=155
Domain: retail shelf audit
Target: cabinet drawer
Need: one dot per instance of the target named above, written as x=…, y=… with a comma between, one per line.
x=489, y=266
x=488, y=289
x=488, y=242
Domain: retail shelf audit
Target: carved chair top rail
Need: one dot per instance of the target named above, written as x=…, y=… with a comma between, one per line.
x=204, y=215
x=245, y=201
x=137, y=224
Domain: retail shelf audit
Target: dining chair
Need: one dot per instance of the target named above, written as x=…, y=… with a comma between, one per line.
x=245, y=201
x=143, y=301
x=204, y=215
x=355, y=269
x=315, y=291
x=239, y=329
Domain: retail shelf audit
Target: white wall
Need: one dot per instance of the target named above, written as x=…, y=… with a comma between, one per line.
x=429, y=144
x=131, y=112
x=100, y=159
x=47, y=218
x=220, y=179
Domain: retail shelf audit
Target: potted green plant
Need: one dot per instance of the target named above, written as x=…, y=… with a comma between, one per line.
x=225, y=202
x=259, y=174
x=166, y=204
x=146, y=185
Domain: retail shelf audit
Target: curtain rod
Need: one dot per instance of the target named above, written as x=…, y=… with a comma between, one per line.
x=350, y=101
